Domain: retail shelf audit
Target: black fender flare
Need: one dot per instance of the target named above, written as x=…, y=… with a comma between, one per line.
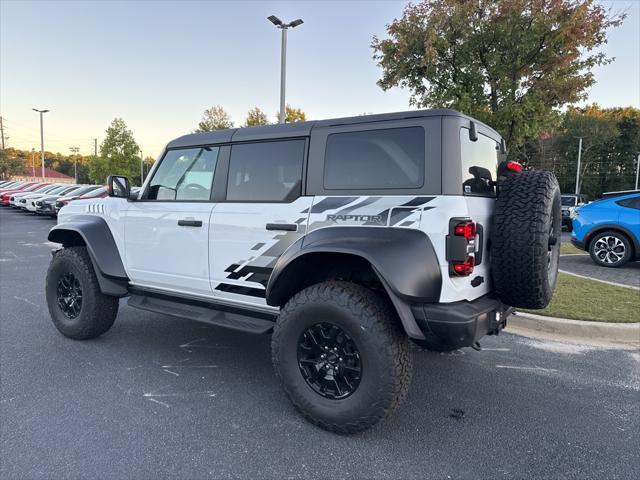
x=102, y=249
x=403, y=259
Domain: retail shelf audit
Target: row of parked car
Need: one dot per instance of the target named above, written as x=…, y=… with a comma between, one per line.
x=45, y=198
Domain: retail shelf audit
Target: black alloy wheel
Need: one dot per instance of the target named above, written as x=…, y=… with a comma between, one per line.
x=329, y=361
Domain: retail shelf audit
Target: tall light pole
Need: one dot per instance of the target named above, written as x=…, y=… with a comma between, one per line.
x=578, y=169
x=141, y=167
x=41, y=112
x=283, y=59
x=75, y=151
x=637, y=170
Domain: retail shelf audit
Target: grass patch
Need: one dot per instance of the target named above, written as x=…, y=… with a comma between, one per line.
x=583, y=299
x=566, y=248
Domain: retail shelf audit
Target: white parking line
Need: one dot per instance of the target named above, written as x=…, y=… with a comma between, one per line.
x=598, y=280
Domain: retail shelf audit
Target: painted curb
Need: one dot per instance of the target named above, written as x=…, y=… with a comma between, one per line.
x=619, y=333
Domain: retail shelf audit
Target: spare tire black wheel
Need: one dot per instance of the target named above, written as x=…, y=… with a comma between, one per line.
x=525, y=239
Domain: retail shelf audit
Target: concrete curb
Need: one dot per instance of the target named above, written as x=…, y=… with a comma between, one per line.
x=623, y=334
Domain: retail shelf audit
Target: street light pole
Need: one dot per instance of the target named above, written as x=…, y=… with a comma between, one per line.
x=141, y=168
x=75, y=151
x=41, y=112
x=637, y=170
x=578, y=169
x=283, y=60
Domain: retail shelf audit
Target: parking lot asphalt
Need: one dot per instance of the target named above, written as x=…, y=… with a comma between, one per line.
x=159, y=397
x=628, y=274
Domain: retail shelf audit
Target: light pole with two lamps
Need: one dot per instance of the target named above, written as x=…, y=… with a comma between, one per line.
x=283, y=65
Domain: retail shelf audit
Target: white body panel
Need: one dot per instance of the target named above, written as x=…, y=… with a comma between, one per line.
x=161, y=254
x=243, y=252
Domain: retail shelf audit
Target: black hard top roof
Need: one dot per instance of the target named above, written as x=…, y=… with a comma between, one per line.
x=302, y=129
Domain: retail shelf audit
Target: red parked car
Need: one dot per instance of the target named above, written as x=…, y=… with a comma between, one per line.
x=27, y=187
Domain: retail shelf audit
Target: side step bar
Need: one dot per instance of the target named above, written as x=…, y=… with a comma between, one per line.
x=211, y=313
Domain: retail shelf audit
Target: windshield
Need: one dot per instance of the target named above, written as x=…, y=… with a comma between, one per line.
x=568, y=201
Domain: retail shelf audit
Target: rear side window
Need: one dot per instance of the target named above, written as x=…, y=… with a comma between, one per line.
x=479, y=164
x=375, y=159
x=265, y=171
x=633, y=202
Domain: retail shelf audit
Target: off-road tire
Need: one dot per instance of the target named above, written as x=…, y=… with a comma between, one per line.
x=525, y=239
x=97, y=312
x=385, y=352
x=619, y=237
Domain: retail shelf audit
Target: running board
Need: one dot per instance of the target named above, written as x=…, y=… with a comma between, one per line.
x=211, y=313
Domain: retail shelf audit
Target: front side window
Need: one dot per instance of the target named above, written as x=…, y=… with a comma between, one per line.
x=184, y=174
x=265, y=172
x=479, y=164
x=375, y=159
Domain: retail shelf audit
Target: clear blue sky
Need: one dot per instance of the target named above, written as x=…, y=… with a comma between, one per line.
x=158, y=65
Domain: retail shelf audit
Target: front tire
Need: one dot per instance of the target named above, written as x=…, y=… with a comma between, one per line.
x=341, y=356
x=610, y=249
x=78, y=308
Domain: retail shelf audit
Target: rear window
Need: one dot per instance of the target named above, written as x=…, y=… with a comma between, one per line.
x=375, y=159
x=633, y=202
x=479, y=164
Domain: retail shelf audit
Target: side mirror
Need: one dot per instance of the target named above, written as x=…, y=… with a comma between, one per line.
x=118, y=186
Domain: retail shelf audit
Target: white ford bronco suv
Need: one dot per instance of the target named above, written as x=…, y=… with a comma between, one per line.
x=347, y=239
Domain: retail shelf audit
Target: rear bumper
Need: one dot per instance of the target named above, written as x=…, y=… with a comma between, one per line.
x=462, y=324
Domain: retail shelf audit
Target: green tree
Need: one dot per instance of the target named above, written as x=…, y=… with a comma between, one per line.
x=256, y=117
x=118, y=154
x=610, y=143
x=214, y=118
x=293, y=115
x=11, y=163
x=512, y=64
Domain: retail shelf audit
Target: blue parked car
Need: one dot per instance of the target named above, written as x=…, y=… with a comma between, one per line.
x=609, y=229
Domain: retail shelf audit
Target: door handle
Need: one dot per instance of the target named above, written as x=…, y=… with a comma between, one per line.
x=287, y=227
x=190, y=223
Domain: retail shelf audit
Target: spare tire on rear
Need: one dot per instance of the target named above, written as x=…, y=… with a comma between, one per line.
x=525, y=239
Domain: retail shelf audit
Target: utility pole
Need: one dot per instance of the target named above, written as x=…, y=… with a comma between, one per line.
x=41, y=112
x=75, y=151
x=578, y=169
x=141, y=167
x=283, y=59
x=637, y=170
x=2, y=133
x=95, y=147
x=33, y=162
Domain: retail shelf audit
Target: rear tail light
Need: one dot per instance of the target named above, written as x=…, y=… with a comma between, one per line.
x=461, y=245
x=466, y=230
x=464, y=268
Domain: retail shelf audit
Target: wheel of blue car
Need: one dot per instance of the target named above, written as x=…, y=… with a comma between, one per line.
x=610, y=249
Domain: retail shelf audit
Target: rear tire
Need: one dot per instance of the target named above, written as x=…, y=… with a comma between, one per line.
x=525, y=239
x=78, y=308
x=373, y=374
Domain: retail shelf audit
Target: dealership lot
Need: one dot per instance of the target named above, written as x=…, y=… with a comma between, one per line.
x=159, y=395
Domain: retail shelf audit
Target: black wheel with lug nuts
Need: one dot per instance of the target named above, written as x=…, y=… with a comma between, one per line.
x=341, y=355
x=610, y=249
x=78, y=308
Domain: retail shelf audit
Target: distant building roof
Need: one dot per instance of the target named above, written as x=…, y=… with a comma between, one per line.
x=50, y=173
